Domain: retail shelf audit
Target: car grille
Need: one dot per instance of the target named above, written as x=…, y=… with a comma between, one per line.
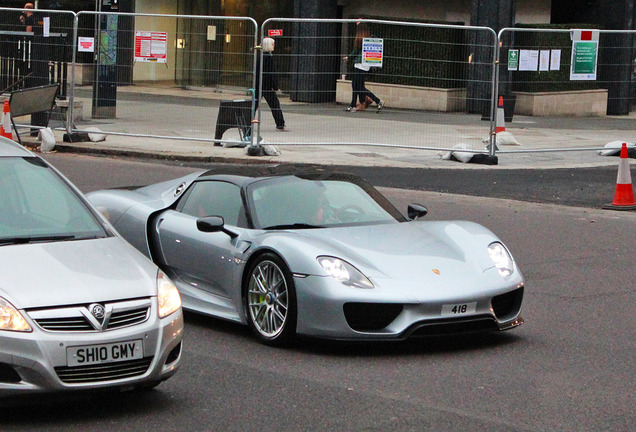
x=103, y=372
x=371, y=316
x=507, y=305
x=78, y=319
x=65, y=324
x=127, y=318
x=451, y=326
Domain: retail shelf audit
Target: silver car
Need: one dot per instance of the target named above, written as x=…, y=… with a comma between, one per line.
x=79, y=307
x=317, y=253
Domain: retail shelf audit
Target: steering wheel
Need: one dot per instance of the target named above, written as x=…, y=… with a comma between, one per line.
x=349, y=213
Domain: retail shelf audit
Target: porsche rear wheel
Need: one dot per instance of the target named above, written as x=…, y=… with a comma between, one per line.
x=270, y=300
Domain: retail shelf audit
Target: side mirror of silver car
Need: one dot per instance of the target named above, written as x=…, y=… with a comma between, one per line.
x=210, y=224
x=416, y=211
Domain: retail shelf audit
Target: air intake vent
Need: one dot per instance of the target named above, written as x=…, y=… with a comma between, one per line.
x=371, y=316
x=507, y=305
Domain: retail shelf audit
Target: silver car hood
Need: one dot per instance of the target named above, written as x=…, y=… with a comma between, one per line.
x=74, y=272
x=410, y=250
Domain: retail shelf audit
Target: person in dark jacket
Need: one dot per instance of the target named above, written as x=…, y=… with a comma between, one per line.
x=270, y=84
x=27, y=17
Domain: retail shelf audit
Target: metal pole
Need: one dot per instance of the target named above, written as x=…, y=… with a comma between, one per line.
x=71, y=93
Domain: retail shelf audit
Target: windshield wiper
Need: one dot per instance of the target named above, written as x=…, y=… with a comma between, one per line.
x=292, y=226
x=34, y=239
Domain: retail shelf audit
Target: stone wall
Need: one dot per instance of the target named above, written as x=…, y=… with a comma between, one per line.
x=409, y=97
x=578, y=103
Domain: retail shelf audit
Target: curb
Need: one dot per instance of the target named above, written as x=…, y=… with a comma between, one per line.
x=63, y=148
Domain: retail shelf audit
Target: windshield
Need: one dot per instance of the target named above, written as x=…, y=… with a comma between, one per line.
x=293, y=202
x=37, y=205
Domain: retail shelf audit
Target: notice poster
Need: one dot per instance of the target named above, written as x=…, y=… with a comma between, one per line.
x=513, y=60
x=584, y=56
x=544, y=60
x=555, y=60
x=372, y=52
x=529, y=60
x=151, y=46
x=85, y=44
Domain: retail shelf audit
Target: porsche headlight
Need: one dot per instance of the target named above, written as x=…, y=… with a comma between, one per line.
x=501, y=258
x=167, y=295
x=11, y=319
x=344, y=272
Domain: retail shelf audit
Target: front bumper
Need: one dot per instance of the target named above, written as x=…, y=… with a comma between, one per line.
x=327, y=309
x=36, y=362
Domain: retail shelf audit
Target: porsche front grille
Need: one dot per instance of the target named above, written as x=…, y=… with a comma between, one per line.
x=452, y=326
x=371, y=316
x=507, y=305
x=103, y=372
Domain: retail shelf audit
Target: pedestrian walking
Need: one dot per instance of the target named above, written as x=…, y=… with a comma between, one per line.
x=361, y=97
x=270, y=84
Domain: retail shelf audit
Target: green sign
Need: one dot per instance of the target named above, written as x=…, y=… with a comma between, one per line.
x=513, y=60
x=584, y=56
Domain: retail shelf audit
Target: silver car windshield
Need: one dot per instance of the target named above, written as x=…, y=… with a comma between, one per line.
x=292, y=202
x=36, y=205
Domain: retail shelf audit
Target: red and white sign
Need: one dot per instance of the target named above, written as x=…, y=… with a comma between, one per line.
x=277, y=32
x=151, y=46
x=585, y=35
x=85, y=44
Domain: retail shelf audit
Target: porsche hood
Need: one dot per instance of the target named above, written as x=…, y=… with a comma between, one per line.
x=408, y=251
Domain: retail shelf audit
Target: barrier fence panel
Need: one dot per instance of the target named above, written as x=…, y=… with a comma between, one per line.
x=36, y=49
x=435, y=82
x=164, y=76
x=569, y=80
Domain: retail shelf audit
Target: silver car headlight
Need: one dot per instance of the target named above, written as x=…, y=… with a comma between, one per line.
x=344, y=272
x=11, y=319
x=167, y=295
x=501, y=258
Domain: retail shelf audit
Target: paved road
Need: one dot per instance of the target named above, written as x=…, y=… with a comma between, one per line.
x=570, y=368
x=581, y=187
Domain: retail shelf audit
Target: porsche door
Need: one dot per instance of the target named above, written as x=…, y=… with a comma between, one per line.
x=199, y=259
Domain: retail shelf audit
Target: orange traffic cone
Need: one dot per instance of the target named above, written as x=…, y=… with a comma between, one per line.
x=501, y=119
x=5, y=127
x=501, y=136
x=624, y=196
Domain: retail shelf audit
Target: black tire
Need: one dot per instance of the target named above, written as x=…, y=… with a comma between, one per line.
x=270, y=300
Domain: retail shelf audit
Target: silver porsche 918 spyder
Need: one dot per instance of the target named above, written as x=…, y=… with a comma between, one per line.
x=317, y=253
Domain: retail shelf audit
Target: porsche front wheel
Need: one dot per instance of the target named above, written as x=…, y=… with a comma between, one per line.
x=270, y=300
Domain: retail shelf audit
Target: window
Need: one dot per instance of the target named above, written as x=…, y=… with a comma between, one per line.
x=215, y=198
x=34, y=201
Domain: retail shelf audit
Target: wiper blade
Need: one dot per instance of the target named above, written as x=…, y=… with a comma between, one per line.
x=34, y=239
x=292, y=226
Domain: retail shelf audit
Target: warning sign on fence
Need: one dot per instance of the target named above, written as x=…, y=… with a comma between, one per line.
x=584, y=55
x=151, y=46
x=372, y=52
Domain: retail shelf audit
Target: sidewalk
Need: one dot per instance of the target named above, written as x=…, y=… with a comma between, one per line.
x=192, y=113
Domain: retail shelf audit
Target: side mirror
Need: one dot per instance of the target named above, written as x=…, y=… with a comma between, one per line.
x=416, y=211
x=211, y=224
